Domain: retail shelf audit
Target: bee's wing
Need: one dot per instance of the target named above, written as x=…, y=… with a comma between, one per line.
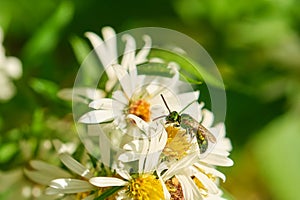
x=206, y=133
x=194, y=128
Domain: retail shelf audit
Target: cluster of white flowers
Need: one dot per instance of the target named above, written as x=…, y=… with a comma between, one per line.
x=157, y=156
x=10, y=68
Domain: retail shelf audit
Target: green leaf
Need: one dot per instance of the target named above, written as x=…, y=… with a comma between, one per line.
x=154, y=69
x=227, y=195
x=1, y=122
x=80, y=48
x=90, y=70
x=7, y=151
x=44, y=87
x=47, y=36
x=108, y=193
x=37, y=122
x=161, y=69
x=277, y=150
x=188, y=68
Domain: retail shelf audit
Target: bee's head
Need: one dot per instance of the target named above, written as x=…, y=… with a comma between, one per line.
x=173, y=117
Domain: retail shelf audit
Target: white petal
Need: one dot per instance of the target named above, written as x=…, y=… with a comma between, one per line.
x=64, y=147
x=110, y=39
x=100, y=48
x=8, y=89
x=185, y=162
x=153, y=154
x=44, y=178
x=129, y=52
x=83, y=95
x=207, y=183
x=106, y=54
x=208, y=118
x=214, y=159
x=68, y=186
x=220, y=152
x=210, y=170
x=144, y=126
x=167, y=195
x=48, y=169
x=174, y=68
x=97, y=116
x=107, y=181
x=13, y=67
x=156, y=60
x=124, y=174
x=193, y=109
x=225, y=144
x=124, y=79
x=151, y=161
x=157, y=111
x=189, y=189
x=120, y=97
x=103, y=103
x=135, y=146
x=105, y=147
x=188, y=97
x=141, y=56
x=142, y=160
x=75, y=166
x=221, y=130
x=129, y=157
x=133, y=74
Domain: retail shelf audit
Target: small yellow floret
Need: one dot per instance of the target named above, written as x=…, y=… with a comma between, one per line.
x=145, y=187
x=140, y=108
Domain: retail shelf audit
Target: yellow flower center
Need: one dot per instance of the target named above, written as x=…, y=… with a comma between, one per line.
x=177, y=143
x=140, y=108
x=145, y=187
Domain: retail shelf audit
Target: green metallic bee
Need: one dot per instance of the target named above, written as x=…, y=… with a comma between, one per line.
x=191, y=126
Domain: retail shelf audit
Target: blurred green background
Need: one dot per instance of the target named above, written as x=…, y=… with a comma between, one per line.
x=255, y=44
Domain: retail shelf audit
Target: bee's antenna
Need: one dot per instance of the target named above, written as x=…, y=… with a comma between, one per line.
x=187, y=106
x=165, y=103
x=159, y=117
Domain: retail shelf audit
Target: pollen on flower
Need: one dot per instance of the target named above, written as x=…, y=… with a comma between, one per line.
x=145, y=187
x=209, y=175
x=177, y=144
x=201, y=187
x=140, y=108
x=174, y=189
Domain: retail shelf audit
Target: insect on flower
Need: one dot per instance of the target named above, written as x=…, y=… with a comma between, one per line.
x=192, y=127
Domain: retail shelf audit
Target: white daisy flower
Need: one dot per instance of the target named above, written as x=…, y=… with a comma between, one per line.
x=10, y=69
x=189, y=175
x=107, y=51
x=138, y=94
x=142, y=184
x=199, y=180
x=147, y=147
x=61, y=183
